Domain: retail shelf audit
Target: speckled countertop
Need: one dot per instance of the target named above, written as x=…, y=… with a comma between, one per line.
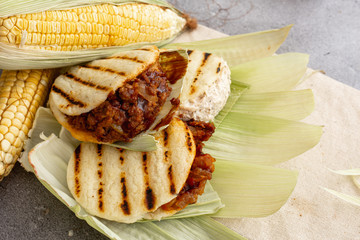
x=327, y=30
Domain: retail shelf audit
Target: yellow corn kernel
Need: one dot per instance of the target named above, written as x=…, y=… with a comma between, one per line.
x=112, y=22
x=22, y=92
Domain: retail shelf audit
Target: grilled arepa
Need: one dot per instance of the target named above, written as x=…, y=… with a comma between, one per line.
x=111, y=99
x=127, y=186
x=206, y=87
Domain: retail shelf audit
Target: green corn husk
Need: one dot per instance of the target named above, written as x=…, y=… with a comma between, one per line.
x=260, y=139
x=348, y=198
x=272, y=74
x=187, y=228
x=236, y=91
x=290, y=105
x=44, y=123
x=348, y=172
x=250, y=190
x=240, y=48
x=353, y=173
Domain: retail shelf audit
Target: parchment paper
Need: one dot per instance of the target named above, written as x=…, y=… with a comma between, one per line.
x=311, y=212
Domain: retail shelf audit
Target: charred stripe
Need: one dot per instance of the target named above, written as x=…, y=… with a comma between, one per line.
x=206, y=56
x=144, y=156
x=100, y=175
x=188, y=141
x=99, y=150
x=189, y=52
x=100, y=164
x=124, y=205
x=99, y=172
x=77, y=159
x=100, y=197
x=85, y=83
x=172, y=185
x=77, y=170
x=123, y=184
x=104, y=69
x=67, y=97
x=203, y=62
x=166, y=137
x=132, y=59
x=166, y=156
x=149, y=196
x=218, y=68
x=121, y=156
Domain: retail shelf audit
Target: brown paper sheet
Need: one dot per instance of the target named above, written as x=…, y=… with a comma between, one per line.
x=311, y=212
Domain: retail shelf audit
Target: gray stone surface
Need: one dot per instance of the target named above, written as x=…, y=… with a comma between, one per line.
x=327, y=30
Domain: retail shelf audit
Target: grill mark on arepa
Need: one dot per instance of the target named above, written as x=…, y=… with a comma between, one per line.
x=189, y=52
x=149, y=196
x=101, y=195
x=203, y=62
x=166, y=156
x=125, y=204
x=121, y=156
x=188, y=141
x=218, y=68
x=77, y=170
x=132, y=59
x=104, y=69
x=206, y=56
x=171, y=180
x=67, y=97
x=166, y=137
x=85, y=83
x=99, y=152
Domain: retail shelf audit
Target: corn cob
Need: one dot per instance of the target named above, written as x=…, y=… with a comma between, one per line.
x=21, y=93
x=91, y=27
x=67, y=30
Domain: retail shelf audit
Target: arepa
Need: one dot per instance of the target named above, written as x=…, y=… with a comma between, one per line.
x=127, y=186
x=113, y=99
x=206, y=87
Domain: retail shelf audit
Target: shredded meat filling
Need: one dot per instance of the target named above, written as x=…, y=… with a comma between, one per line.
x=201, y=169
x=128, y=111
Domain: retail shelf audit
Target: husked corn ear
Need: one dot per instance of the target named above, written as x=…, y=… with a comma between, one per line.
x=91, y=27
x=21, y=93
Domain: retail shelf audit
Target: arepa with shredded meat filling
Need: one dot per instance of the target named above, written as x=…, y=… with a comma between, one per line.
x=127, y=186
x=116, y=98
